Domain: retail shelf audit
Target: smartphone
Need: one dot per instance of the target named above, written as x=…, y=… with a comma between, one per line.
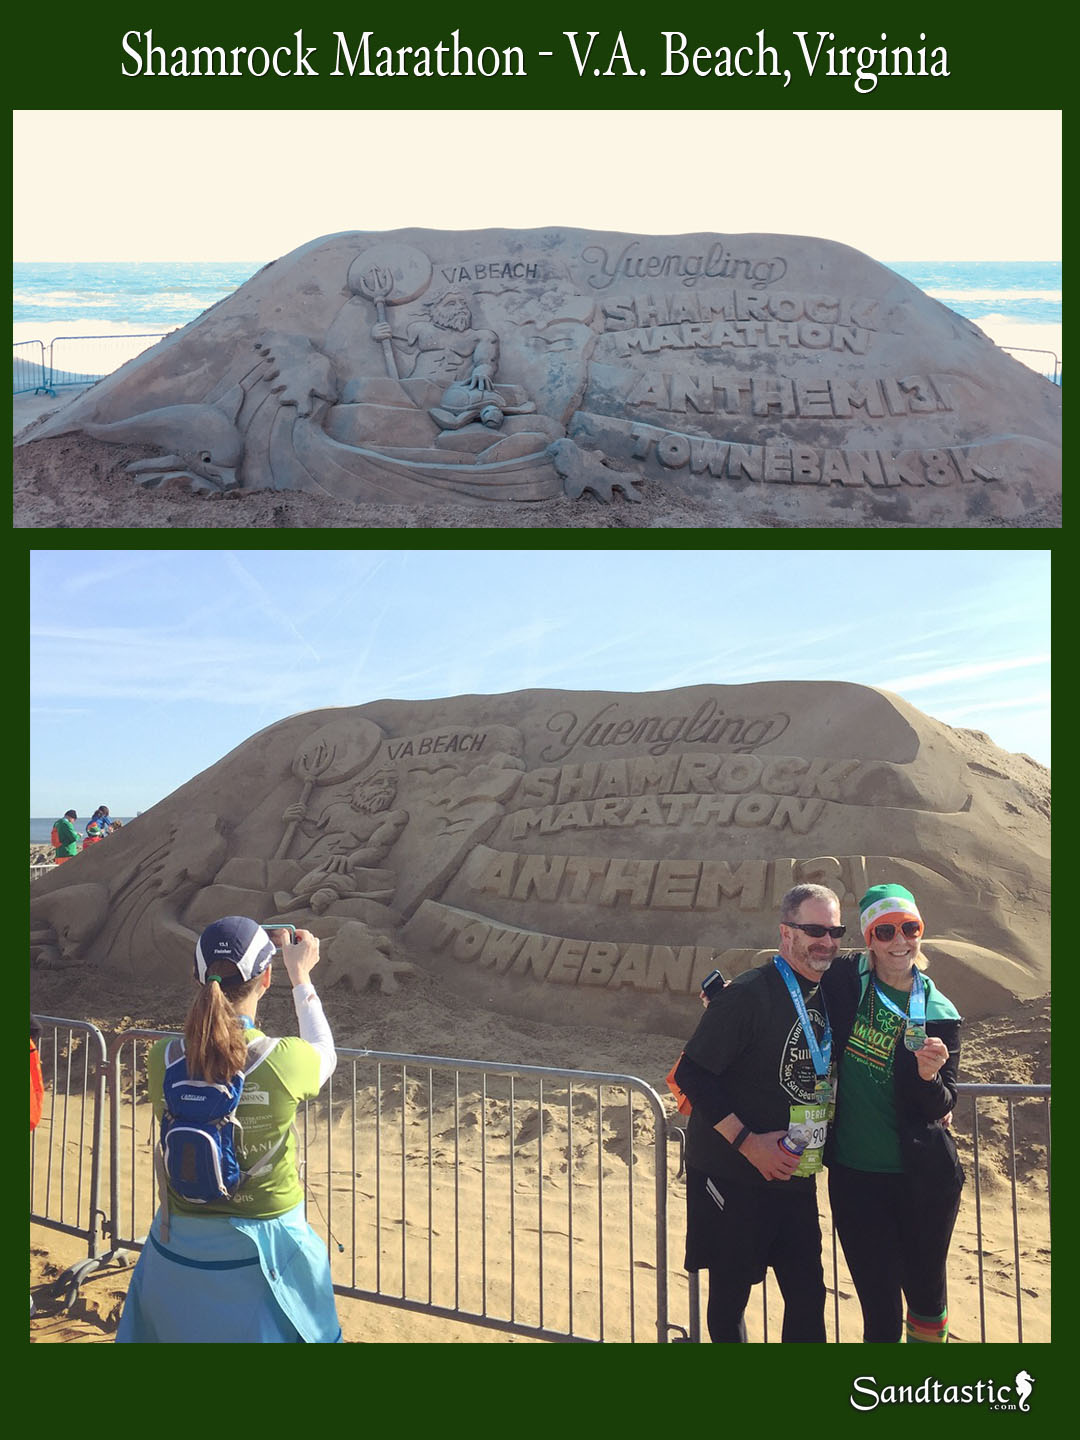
x=276, y=929
x=713, y=981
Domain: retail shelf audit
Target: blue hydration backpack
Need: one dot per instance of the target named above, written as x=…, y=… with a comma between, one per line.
x=197, y=1137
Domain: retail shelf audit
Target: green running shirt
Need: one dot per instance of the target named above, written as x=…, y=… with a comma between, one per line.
x=865, y=1131
x=272, y=1092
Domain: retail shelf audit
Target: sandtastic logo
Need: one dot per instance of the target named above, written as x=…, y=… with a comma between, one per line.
x=1024, y=1382
x=867, y=1394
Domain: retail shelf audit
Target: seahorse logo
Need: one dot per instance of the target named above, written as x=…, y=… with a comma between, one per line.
x=1024, y=1382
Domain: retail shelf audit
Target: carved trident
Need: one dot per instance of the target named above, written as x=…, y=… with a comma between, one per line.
x=376, y=284
x=336, y=752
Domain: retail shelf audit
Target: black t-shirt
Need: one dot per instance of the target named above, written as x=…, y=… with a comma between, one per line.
x=750, y=1041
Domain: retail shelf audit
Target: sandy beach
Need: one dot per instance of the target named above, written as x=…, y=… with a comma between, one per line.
x=455, y=1187
x=427, y=1018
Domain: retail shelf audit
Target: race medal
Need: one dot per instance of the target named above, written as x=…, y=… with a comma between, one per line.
x=915, y=1019
x=823, y=1091
x=914, y=1036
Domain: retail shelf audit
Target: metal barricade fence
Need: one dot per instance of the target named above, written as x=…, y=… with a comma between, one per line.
x=526, y=1199
x=132, y=1135
x=993, y=1247
x=1003, y=1133
x=28, y=368
x=66, y=1146
x=1053, y=373
x=81, y=359
x=519, y=1198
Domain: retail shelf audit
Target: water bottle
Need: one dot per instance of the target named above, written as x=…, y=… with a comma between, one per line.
x=797, y=1138
x=792, y=1143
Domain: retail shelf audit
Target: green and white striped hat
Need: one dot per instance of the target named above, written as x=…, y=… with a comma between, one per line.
x=886, y=902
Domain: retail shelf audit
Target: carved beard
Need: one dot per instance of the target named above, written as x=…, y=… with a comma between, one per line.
x=456, y=319
x=375, y=804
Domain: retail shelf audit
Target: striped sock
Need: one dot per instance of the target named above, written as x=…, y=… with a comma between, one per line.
x=928, y=1329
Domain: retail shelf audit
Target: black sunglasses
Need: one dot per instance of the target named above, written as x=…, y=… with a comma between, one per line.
x=911, y=928
x=817, y=931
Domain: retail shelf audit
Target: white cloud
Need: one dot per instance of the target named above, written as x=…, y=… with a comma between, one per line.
x=1035, y=703
x=950, y=674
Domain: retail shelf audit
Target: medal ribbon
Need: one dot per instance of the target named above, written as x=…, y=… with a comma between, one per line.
x=819, y=1054
x=916, y=1011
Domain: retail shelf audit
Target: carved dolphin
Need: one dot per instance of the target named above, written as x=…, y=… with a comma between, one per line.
x=203, y=441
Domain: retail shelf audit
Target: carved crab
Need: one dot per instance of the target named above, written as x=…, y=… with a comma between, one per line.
x=583, y=470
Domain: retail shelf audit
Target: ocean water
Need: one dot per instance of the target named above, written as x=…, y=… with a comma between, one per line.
x=1025, y=290
x=40, y=830
x=1017, y=303
x=142, y=296
x=77, y=303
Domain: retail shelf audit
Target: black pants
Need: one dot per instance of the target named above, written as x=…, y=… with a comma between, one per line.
x=894, y=1241
x=755, y=1228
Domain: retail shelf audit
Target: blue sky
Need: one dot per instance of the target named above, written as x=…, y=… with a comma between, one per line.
x=147, y=666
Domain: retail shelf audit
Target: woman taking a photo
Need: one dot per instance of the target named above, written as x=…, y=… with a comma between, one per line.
x=894, y=1176
x=246, y=1267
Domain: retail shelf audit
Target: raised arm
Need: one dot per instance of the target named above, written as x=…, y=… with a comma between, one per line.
x=300, y=959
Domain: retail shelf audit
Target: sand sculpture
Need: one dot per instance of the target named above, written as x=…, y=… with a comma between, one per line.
x=578, y=856
x=420, y=365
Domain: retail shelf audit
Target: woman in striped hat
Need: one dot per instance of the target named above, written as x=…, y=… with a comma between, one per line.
x=894, y=1175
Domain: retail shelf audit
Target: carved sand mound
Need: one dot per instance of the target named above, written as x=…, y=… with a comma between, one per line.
x=771, y=373
x=578, y=857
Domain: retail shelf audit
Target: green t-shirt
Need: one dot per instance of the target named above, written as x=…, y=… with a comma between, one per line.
x=272, y=1092
x=865, y=1131
x=68, y=836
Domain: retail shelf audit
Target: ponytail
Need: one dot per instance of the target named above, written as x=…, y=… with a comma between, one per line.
x=214, y=1042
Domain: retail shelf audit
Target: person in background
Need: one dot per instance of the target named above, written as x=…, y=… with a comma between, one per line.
x=37, y=1081
x=894, y=1176
x=37, y=1088
x=93, y=835
x=247, y=1268
x=65, y=838
x=100, y=818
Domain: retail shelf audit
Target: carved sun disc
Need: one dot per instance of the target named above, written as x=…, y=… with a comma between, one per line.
x=409, y=267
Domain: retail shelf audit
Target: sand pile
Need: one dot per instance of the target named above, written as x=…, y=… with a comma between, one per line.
x=558, y=377
x=426, y=1017
x=543, y=878
x=580, y=857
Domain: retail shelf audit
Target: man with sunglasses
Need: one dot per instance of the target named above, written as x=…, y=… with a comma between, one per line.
x=759, y=1073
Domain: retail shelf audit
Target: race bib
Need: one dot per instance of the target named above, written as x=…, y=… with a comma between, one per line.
x=810, y=1124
